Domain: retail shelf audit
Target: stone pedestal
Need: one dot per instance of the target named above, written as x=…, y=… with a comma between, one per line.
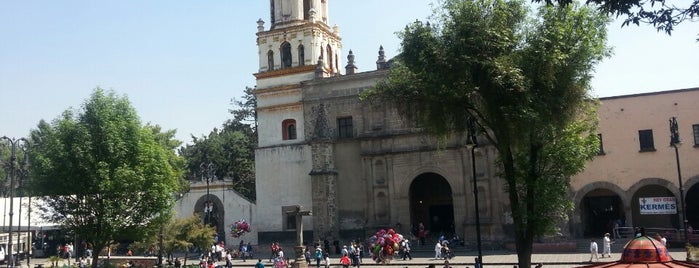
x=300, y=261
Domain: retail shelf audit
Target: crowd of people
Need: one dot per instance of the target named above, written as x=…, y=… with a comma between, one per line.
x=219, y=253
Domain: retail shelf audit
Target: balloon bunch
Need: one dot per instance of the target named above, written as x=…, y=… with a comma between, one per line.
x=239, y=228
x=384, y=244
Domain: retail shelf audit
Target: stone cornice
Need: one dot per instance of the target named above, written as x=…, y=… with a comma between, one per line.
x=285, y=71
x=277, y=88
x=212, y=186
x=298, y=28
x=280, y=106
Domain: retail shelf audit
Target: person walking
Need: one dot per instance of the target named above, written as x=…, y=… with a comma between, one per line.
x=663, y=240
x=421, y=234
x=354, y=254
x=438, y=250
x=606, y=246
x=345, y=261
x=326, y=257
x=405, y=248
x=593, y=250
x=243, y=251
x=318, y=255
x=307, y=256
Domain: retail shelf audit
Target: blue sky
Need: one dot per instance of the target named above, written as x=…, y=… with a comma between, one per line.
x=181, y=62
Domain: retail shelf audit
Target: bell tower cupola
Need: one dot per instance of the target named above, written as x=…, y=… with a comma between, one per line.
x=298, y=39
x=284, y=12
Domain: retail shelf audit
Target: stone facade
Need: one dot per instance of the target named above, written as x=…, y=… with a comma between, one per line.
x=631, y=168
x=359, y=166
x=229, y=206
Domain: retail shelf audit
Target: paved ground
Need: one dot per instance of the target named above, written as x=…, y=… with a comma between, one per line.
x=495, y=259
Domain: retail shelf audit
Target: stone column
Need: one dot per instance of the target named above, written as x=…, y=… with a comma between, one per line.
x=300, y=261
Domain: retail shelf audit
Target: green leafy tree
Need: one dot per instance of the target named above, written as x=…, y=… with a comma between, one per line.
x=661, y=14
x=179, y=235
x=187, y=233
x=102, y=175
x=244, y=113
x=231, y=149
x=524, y=78
x=20, y=166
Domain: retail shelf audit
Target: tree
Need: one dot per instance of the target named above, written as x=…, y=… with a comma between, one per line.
x=184, y=234
x=180, y=234
x=663, y=15
x=231, y=153
x=7, y=166
x=244, y=113
x=231, y=149
x=102, y=175
x=524, y=79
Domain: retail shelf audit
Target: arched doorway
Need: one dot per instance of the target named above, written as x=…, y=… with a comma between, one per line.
x=691, y=198
x=602, y=209
x=431, y=204
x=653, y=220
x=210, y=209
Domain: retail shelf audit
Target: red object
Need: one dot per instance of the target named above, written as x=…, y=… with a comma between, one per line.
x=644, y=252
x=645, y=249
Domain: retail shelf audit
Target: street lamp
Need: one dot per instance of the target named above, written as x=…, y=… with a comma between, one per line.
x=675, y=143
x=208, y=173
x=20, y=180
x=472, y=142
x=22, y=144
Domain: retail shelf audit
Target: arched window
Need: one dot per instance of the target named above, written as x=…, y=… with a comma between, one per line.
x=302, y=56
x=306, y=8
x=271, y=11
x=289, y=129
x=286, y=54
x=321, y=52
x=270, y=60
x=330, y=57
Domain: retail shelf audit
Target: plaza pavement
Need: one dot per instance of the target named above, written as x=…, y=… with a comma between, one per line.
x=494, y=259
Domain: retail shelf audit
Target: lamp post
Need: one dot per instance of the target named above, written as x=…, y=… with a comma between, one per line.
x=22, y=174
x=207, y=172
x=15, y=144
x=473, y=143
x=675, y=143
x=29, y=225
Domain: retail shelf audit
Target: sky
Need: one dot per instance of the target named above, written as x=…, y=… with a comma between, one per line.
x=181, y=62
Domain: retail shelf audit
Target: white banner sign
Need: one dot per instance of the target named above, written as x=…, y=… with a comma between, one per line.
x=657, y=205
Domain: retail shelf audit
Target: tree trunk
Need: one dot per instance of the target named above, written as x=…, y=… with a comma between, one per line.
x=186, y=254
x=524, y=251
x=523, y=236
x=95, y=256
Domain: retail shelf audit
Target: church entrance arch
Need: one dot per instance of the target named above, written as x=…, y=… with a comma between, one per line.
x=431, y=203
x=691, y=198
x=602, y=209
x=210, y=210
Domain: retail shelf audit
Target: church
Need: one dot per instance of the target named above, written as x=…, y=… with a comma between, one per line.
x=358, y=166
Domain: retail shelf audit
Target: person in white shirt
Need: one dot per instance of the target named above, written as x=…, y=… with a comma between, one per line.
x=593, y=250
x=438, y=250
x=606, y=246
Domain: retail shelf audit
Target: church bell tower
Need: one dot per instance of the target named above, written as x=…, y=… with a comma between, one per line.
x=298, y=46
